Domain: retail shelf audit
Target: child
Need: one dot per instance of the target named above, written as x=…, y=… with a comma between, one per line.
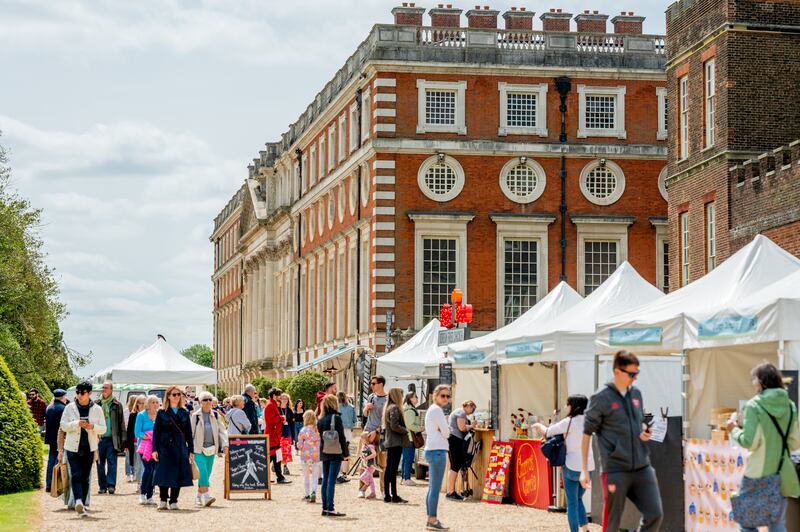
x=308, y=442
x=368, y=454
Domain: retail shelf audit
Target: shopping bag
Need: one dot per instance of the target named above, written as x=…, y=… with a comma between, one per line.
x=59, y=481
x=195, y=472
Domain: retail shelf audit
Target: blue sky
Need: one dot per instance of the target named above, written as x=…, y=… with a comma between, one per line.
x=131, y=124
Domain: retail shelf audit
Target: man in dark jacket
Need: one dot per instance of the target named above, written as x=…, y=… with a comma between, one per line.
x=112, y=442
x=616, y=415
x=52, y=420
x=251, y=407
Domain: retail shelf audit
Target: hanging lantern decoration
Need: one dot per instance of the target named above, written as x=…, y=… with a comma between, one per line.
x=446, y=316
x=467, y=313
x=456, y=295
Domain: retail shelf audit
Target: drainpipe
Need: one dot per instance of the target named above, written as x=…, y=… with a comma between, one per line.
x=299, y=155
x=563, y=86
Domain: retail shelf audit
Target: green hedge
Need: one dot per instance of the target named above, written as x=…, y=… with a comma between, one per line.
x=305, y=386
x=20, y=444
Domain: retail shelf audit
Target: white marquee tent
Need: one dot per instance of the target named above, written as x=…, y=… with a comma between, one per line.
x=699, y=321
x=160, y=363
x=418, y=357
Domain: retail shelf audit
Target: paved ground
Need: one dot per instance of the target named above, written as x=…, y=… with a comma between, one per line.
x=121, y=512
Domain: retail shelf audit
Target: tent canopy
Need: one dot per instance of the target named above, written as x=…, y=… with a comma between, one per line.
x=159, y=363
x=660, y=327
x=570, y=335
x=555, y=303
x=417, y=357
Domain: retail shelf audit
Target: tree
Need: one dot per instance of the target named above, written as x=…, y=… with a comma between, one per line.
x=305, y=386
x=20, y=444
x=263, y=385
x=200, y=354
x=30, y=337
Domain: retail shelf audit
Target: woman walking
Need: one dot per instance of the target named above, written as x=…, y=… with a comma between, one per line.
x=288, y=434
x=308, y=448
x=572, y=429
x=83, y=422
x=348, y=413
x=299, y=420
x=145, y=421
x=395, y=440
x=210, y=438
x=414, y=426
x=769, y=432
x=133, y=460
x=238, y=422
x=172, y=449
x=330, y=426
x=437, y=430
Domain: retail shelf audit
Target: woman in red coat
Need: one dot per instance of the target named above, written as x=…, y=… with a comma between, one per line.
x=273, y=422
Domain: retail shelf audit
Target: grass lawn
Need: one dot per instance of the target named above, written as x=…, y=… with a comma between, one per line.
x=19, y=511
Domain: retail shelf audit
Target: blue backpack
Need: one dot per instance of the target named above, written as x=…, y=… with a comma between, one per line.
x=555, y=449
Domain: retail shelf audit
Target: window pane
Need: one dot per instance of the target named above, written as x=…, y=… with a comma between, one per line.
x=440, y=179
x=521, y=109
x=438, y=275
x=600, y=111
x=521, y=180
x=440, y=107
x=521, y=279
x=601, y=182
x=600, y=261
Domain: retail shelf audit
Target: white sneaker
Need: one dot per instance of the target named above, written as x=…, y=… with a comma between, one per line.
x=162, y=505
x=360, y=494
x=79, y=506
x=198, y=500
x=408, y=482
x=142, y=498
x=173, y=506
x=208, y=500
x=150, y=501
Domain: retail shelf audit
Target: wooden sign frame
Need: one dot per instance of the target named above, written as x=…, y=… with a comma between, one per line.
x=227, y=490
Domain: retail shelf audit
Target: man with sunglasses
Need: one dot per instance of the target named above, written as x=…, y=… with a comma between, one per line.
x=112, y=441
x=616, y=415
x=373, y=411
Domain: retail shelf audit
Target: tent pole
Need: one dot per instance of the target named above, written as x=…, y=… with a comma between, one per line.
x=596, y=372
x=781, y=356
x=685, y=392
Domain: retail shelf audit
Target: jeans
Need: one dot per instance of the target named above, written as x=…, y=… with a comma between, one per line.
x=52, y=458
x=393, y=455
x=576, y=511
x=408, y=462
x=436, y=464
x=107, y=464
x=330, y=470
x=165, y=492
x=138, y=466
x=80, y=466
x=777, y=526
x=204, y=464
x=641, y=487
x=129, y=462
x=147, y=478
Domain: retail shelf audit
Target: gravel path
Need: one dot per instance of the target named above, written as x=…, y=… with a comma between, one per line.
x=121, y=512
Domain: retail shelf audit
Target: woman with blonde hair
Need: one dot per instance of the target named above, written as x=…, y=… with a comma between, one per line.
x=238, y=422
x=436, y=445
x=395, y=439
x=210, y=439
x=145, y=421
x=330, y=422
x=288, y=436
x=133, y=462
x=172, y=449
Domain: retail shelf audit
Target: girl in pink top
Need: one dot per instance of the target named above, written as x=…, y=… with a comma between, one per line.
x=308, y=442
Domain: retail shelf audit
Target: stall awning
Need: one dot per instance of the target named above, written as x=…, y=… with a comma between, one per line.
x=330, y=355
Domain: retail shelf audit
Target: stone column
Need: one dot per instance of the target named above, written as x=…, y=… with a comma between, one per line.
x=260, y=310
x=245, y=324
x=269, y=308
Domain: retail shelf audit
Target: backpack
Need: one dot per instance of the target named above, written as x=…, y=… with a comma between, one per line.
x=555, y=448
x=330, y=439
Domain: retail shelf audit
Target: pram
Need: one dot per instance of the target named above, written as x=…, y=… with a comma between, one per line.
x=473, y=448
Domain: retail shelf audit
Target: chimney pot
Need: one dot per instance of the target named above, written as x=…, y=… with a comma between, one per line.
x=482, y=18
x=408, y=15
x=627, y=23
x=445, y=17
x=405, y=4
x=449, y=6
x=412, y=4
x=486, y=8
x=513, y=8
x=519, y=20
x=630, y=13
x=522, y=9
x=591, y=22
x=556, y=20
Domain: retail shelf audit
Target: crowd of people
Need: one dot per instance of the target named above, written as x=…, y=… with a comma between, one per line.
x=174, y=443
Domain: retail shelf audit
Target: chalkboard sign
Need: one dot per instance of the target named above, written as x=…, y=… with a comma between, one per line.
x=494, y=407
x=446, y=377
x=247, y=465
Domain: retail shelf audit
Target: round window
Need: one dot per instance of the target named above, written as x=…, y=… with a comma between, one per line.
x=320, y=218
x=602, y=182
x=353, y=194
x=522, y=180
x=340, y=203
x=440, y=178
x=662, y=183
x=331, y=210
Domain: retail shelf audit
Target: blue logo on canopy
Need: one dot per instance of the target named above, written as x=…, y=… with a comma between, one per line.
x=469, y=357
x=635, y=336
x=727, y=326
x=522, y=349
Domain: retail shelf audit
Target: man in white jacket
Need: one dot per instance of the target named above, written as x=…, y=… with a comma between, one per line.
x=83, y=422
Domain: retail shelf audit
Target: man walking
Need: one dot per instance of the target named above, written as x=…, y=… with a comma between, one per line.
x=616, y=415
x=38, y=407
x=251, y=407
x=373, y=411
x=52, y=421
x=112, y=441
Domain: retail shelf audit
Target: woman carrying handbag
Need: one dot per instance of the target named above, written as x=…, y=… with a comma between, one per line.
x=334, y=449
x=769, y=432
x=414, y=425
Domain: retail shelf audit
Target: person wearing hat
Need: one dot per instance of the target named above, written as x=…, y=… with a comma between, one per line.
x=52, y=421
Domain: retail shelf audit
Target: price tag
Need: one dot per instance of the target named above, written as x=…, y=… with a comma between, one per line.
x=658, y=431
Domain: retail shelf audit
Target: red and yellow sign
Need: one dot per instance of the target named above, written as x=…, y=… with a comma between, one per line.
x=497, y=472
x=531, y=478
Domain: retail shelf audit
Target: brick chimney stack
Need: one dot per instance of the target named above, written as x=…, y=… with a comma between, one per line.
x=519, y=19
x=555, y=20
x=445, y=16
x=408, y=14
x=627, y=23
x=591, y=22
x=482, y=18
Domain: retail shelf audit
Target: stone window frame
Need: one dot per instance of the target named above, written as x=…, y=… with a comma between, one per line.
x=340, y=203
x=322, y=161
x=619, y=111
x=460, y=89
x=311, y=223
x=540, y=91
x=454, y=165
x=520, y=227
x=541, y=180
x=352, y=281
x=594, y=228
x=352, y=198
x=662, y=183
x=341, y=301
x=354, y=127
x=434, y=225
x=709, y=226
x=331, y=208
x=366, y=115
x=709, y=103
x=365, y=184
x=330, y=299
x=303, y=341
x=683, y=118
x=364, y=282
x=611, y=198
x=663, y=114
x=321, y=208
x=342, y=139
x=311, y=332
x=320, y=296
x=683, y=247
x=332, y=147
x=312, y=168
x=662, y=239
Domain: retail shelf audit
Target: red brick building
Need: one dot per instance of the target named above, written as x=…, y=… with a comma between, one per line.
x=436, y=158
x=734, y=101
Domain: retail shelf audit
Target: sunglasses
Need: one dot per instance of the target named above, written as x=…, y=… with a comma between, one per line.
x=631, y=374
x=206, y=400
x=175, y=394
x=445, y=396
x=79, y=392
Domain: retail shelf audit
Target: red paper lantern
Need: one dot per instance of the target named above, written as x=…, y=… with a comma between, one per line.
x=456, y=296
x=446, y=316
x=467, y=313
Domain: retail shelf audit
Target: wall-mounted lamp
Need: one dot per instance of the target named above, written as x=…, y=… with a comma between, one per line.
x=602, y=163
x=440, y=156
x=523, y=159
